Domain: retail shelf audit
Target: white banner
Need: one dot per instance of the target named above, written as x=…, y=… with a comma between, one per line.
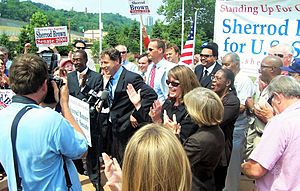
x=46, y=36
x=81, y=112
x=5, y=97
x=250, y=28
x=138, y=7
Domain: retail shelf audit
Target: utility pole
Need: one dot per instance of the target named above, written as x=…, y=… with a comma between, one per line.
x=69, y=29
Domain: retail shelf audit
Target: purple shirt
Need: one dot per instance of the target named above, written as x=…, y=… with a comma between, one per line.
x=278, y=152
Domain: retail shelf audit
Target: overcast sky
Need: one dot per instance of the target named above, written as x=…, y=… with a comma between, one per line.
x=107, y=6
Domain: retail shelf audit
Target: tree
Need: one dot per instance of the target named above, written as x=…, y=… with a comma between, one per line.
x=38, y=19
x=112, y=35
x=205, y=18
x=133, y=42
x=4, y=41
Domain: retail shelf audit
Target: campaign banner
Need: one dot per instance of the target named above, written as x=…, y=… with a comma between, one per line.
x=250, y=28
x=46, y=36
x=5, y=97
x=139, y=7
x=81, y=112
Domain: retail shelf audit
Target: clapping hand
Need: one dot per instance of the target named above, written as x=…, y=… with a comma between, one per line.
x=155, y=111
x=134, y=96
x=112, y=172
x=173, y=125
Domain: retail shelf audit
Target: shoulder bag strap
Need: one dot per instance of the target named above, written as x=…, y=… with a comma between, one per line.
x=67, y=176
x=13, y=142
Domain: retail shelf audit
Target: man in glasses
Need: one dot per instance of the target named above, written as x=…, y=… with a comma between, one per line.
x=284, y=52
x=274, y=163
x=294, y=69
x=81, y=45
x=125, y=63
x=262, y=111
x=209, y=65
x=156, y=75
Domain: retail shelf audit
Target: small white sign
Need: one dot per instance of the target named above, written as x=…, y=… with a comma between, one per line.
x=138, y=7
x=5, y=97
x=81, y=112
x=46, y=36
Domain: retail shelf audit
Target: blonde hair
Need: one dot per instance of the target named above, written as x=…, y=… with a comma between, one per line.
x=186, y=77
x=204, y=106
x=155, y=160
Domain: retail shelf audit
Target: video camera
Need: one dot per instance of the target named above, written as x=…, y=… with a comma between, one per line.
x=50, y=93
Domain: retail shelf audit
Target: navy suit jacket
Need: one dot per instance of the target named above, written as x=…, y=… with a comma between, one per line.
x=93, y=81
x=206, y=81
x=122, y=108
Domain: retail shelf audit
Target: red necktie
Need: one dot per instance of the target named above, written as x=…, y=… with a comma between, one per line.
x=152, y=76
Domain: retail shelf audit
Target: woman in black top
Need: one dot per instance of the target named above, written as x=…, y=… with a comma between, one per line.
x=223, y=85
x=181, y=80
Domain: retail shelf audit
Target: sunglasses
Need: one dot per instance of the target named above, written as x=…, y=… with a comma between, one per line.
x=270, y=99
x=206, y=55
x=123, y=52
x=174, y=84
x=279, y=55
x=150, y=49
x=80, y=48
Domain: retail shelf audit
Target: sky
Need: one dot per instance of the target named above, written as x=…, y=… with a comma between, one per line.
x=107, y=6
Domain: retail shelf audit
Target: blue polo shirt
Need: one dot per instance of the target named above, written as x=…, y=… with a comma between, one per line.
x=42, y=134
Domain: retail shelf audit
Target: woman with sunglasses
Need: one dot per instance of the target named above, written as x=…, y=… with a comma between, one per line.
x=181, y=80
x=223, y=86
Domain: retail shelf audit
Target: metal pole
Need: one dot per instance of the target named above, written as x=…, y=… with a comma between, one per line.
x=182, y=25
x=100, y=28
x=195, y=27
x=141, y=35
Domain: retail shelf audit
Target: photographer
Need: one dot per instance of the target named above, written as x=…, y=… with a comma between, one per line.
x=45, y=141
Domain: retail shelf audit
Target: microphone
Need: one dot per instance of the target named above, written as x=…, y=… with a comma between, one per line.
x=92, y=94
x=103, y=97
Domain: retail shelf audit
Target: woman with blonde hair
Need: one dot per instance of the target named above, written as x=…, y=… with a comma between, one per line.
x=205, y=146
x=154, y=160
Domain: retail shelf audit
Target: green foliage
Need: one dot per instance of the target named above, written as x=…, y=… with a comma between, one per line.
x=38, y=19
x=79, y=20
x=171, y=9
x=4, y=41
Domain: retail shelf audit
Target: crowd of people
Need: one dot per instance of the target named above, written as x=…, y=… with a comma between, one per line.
x=165, y=125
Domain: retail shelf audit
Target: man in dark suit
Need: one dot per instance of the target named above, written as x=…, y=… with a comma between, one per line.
x=80, y=83
x=120, y=105
x=209, y=65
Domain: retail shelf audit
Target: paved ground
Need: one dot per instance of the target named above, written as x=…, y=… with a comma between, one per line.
x=246, y=184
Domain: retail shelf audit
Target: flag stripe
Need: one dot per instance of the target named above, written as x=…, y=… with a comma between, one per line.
x=188, y=49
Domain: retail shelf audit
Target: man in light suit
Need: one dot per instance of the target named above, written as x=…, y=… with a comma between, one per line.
x=80, y=82
x=121, y=108
x=209, y=65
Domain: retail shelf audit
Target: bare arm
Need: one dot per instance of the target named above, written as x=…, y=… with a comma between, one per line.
x=253, y=169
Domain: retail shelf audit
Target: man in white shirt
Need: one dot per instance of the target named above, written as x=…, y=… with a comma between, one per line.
x=157, y=72
x=245, y=89
x=130, y=66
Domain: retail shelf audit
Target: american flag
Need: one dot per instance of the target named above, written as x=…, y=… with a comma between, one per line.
x=188, y=48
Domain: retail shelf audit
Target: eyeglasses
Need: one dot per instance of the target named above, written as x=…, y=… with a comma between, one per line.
x=142, y=63
x=206, y=55
x=270, y=99
x=279, y=55
x=123, y=52
x=174, y=84
x=80, y=48
x=265, y=66
x=216, y=77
